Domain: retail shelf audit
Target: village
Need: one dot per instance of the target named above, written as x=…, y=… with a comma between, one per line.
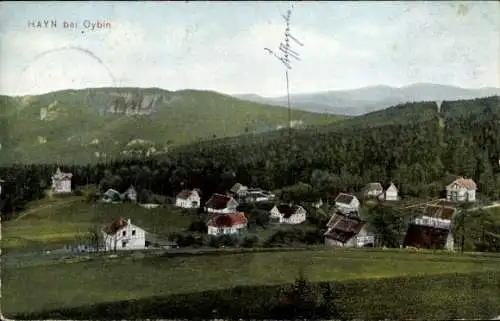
x=225, y=216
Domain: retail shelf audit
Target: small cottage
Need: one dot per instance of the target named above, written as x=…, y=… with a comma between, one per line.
x=461, y=190
x=347, y=231
x=111, y=196
x=373, y=190
x=287, y=214
x=123, y=235
x=188, y=199
x=238, y=189
x=61, y=182
x=227, y=224
x=346, y=203
x=390, y=194
x=221, y=204
x=130, y=194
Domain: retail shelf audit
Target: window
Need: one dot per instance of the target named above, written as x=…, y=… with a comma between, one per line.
x=133, y=232
x=124, y=244
x=124, y=233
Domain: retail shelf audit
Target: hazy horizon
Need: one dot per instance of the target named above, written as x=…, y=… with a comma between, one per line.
x=220, y=46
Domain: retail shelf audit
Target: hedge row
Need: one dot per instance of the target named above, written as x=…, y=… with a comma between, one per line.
x=444, y=297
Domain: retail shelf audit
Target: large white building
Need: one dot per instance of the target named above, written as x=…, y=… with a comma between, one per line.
x=123, y=235
x=227, y=224
x=461, y=190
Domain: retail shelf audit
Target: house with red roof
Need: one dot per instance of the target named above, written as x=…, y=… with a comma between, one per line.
x=287, y=214
x=188, y=199
x=461, y=190
x=121, y=234
x=221, y=204
x=347, y=231
x=227, y=224
x=346, y=203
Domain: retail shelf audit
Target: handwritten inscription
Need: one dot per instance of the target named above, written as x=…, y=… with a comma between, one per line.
x=91, y=25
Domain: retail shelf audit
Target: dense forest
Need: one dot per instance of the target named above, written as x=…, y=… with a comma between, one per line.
x=412, y=145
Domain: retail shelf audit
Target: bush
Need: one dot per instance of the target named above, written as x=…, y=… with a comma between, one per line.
x=250, y=241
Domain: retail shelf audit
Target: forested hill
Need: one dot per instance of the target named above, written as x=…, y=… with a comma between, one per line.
x=92, y=125
x=420, y=155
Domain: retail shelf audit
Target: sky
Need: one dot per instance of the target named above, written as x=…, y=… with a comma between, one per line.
x=220, y=45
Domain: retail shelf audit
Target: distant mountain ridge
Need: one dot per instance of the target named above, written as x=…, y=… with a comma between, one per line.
x=363, y=100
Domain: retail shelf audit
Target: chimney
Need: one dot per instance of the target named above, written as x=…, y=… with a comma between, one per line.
x=128, y=221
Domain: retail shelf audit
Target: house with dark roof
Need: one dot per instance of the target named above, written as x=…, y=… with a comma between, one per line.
x=428, y=237
x=121, y=235
x=287, y=214
x=227, y=224
x=188, y=199
x=61, y=182
x=222, y=204
x=346, y=203
x=390, y=194
x=432, y=229
x=373, y=190
x=461, y=190
x=111, y=196
x=347, y=231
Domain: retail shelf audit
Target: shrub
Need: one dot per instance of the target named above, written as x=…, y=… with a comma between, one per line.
x=250, y=241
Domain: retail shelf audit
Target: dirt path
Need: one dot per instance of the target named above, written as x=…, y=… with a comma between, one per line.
x=55, y=205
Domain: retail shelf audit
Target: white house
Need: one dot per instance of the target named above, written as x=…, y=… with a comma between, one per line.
x=345, y=231
x=111, y=196
x=130, y=194
x=346, y=203
x=61, y=182
x=287, y=214
x=373, y=190
x=461, y=190
x=188, y=199
x=390, y=194
x=221, y=204
x=123, y=235
x=227, y=224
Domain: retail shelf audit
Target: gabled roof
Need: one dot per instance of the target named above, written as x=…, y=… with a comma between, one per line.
x=287, y=209
x=392, y=187
x=111, y=192
x=463, y=183
x=130, y=189
x=185, y=194
x=374, y=187
x=442, y=212
x=115, y=226
x=342, y=228
x=218, y=201
x=427, y=237
x=60, y=175
x=236, y=187
x=228, y=220
x=344, y=198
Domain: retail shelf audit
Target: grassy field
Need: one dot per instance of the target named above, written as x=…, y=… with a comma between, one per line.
x=59, y=285
x=48, y=223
